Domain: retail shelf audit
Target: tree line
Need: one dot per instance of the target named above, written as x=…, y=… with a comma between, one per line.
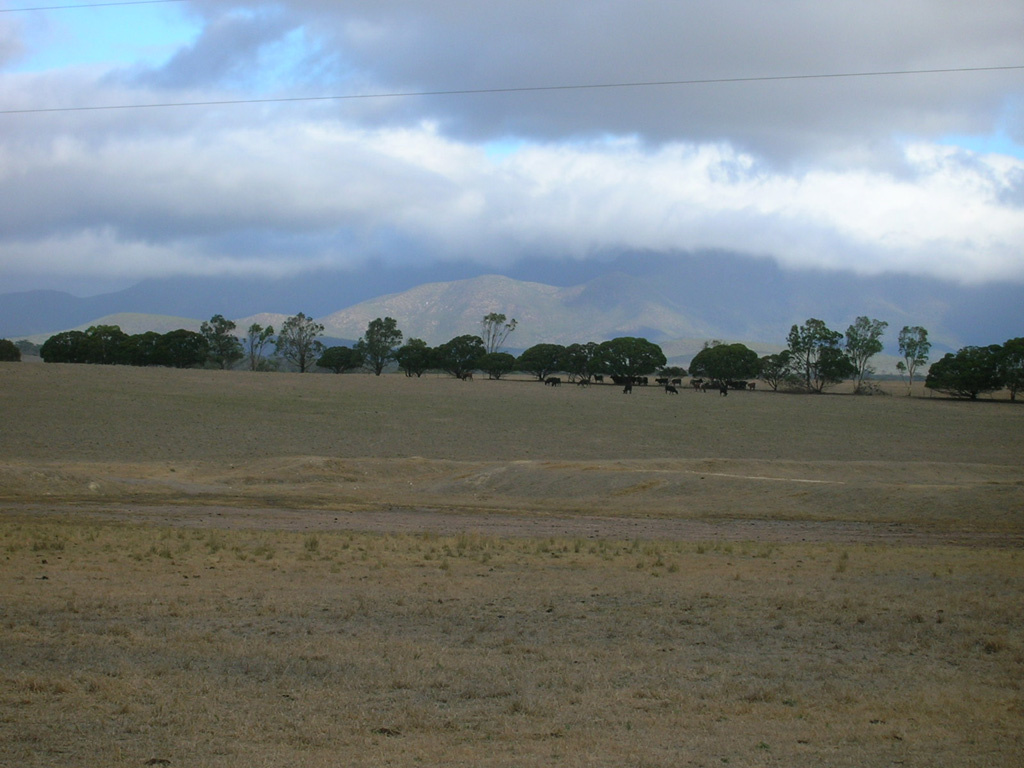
x=816, y=357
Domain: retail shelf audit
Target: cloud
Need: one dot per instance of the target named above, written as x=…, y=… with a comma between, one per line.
x=835, y=173
x=237, y=199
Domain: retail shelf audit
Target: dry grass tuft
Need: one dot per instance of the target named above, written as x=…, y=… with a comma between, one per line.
x=476, y=650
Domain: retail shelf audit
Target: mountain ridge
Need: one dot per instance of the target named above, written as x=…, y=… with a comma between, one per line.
x=660, y=296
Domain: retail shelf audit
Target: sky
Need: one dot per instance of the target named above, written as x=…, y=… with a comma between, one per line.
x=213, y=137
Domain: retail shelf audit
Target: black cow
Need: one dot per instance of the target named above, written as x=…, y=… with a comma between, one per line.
x=670, y=390
x=627, y=388
x=554, y=381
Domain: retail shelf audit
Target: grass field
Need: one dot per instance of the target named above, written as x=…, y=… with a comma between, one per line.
x=221, y=569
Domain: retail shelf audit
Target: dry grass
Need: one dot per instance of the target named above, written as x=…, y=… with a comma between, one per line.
x=222, y=648
x=749, y=617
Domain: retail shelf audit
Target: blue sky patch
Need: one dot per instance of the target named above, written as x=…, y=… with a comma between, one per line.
x=118, y=35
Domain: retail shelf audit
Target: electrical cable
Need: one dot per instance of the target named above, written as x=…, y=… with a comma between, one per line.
x=516, y=89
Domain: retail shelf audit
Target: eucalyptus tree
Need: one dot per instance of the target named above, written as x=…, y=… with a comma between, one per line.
x=256, y=342
x=461, y=355
x=379, y=343
x=863, y=341
x=914, y=346
x=297, y=341
x=494, y=329
x=627, y=357
x=414, y=357
x=224, y=348
x=816, y=356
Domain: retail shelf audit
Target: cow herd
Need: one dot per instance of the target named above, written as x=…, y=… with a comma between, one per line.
x=671, y=386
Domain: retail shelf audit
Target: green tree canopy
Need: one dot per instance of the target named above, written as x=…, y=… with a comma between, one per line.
x=968, y=373
x=497, y=364
x=629, y=356
x=461, y=355
x=65, y=347
x=581, y=361
x=106, y=344
x=863, y=341
x=725, y=362
x=9, y=352
x=297, y=342
x=181, y=349
x=415, y=357
x=224, y=347
x=914, y=346
x=256, y=341
x=1011, y=366
x=816, y=357
x=379, y=343
x=541, y=360
x=340, y=359
x=143, y=348
x=775, y=369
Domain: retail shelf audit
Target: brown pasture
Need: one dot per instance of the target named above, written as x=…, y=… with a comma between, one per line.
x=205, y=568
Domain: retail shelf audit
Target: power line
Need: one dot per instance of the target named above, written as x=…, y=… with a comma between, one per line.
x=516, y=89
x=86, y=5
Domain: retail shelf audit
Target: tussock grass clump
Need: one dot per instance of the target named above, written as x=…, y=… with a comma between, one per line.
x=257, y=647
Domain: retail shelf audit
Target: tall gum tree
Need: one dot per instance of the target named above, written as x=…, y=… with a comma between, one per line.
x=379, y=343
x=297, y=342
x=914, y=347
x=863, y=341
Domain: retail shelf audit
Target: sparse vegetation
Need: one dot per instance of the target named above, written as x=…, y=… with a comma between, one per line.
x=220, y=569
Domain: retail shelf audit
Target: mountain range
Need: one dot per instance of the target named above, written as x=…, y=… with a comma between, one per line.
x=678, y=301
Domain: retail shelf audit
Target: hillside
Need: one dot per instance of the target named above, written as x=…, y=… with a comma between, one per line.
x=615, y=305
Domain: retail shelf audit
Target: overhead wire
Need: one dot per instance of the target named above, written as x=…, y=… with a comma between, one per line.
x=462, y=91
x=515, y=89
x=87, y=5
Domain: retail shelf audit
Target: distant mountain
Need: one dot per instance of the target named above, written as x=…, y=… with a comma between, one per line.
x=701, y=295
x=615, y=305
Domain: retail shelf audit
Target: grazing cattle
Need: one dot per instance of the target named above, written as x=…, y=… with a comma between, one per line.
x=676, y=382
x=670, y=390
x=467, y=377
x=697, y=384
x=723, y=389
x=662, y=382
x=752, y=386
x=554, y=381
x=627, y=388
x=599, y=378
x=582, y=383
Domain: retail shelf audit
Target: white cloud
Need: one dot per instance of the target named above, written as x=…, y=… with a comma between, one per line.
x=852, y=174
x=178, y=204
